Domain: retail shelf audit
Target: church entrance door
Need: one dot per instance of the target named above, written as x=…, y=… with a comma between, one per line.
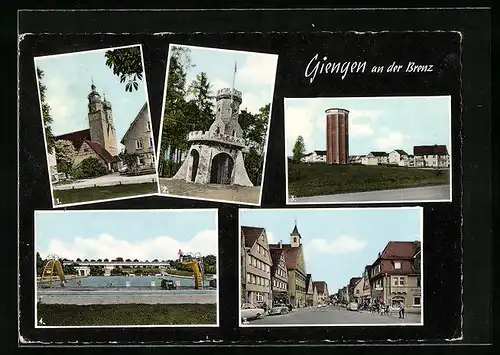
x=195, y=156
x=222, y=169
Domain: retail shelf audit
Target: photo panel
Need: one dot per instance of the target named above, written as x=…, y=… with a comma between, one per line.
x=96, y=125
x=126, y=268
x=216, y=119
x=368, y=149
x=356, y=270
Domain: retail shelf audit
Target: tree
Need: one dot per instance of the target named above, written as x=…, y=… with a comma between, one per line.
x=298, y=149
x=96, y=270
x=119, y=259
x=47, y=118
x=65, y=156
x=126, y=63
x=130, y=159
x=116, y=272
x=99, y=260
x=40, y=264
x=89, y=168
x=128, y=260
x=106, y=260
x=201, y=90
x=78, y=260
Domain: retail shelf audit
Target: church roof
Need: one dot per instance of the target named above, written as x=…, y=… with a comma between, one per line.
x=295, y=230
x=101, y=151
x=77, y=137
x=144, y=107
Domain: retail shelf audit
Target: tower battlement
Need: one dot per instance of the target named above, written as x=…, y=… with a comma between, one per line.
x=227, y=93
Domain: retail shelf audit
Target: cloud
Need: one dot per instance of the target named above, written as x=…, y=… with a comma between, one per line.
x=108, y=246
x=270, y=238
x=258, y=69
x=340, y=245
x=357, y=115
x=61, y=105
x=391, y=140
x=300, y=122
x=361, y=130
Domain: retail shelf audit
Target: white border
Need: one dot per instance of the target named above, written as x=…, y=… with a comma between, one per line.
x=291, y=210
x=287, y=195
x=45, y=138
x=217, y=305
x=268, y=124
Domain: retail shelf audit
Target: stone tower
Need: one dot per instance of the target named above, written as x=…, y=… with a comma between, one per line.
x=295, y=238
x=102, y=128
x=216, y=156
x=337, y=136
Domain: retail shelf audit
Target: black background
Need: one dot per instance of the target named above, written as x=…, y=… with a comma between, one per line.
x=296, y=37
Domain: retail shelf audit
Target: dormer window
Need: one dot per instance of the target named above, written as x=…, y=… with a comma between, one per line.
x=397, y=265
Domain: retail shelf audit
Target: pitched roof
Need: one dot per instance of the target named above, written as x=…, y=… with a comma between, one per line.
x=353, y=281
x=295, y=230
x=400, y=250
x=275, y=258
x=251, y=234
x=378, y=154
x=430, y=150
x=291, y=254
x=320, y=286
x=320, y=152
x=400, y=151
x=135, y=120
x=77, y=137
x=101, y=151
x=308, y=280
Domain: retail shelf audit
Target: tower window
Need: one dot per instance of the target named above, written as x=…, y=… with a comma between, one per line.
x=295, y=239
x=150, y=142
x=234, y=133
x=149, y=126
x=138, y=144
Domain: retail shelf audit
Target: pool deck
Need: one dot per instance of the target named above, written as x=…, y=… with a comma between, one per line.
x=120, y=297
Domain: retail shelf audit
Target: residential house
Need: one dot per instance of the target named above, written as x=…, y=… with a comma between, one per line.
x=375, y=158
x=395, y=275
x=317, y=156
x=358, y=291
x=311, y=294
x=350, y=288
x=356, y=159
x=322, y=291
x=279, y=277
x=138, y=140
x=396, y=156
x=294, y=259
x=343, y=295
x=366, y=293
x=258, y=266
x=435, y=156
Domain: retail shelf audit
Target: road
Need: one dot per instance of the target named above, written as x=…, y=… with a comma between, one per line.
x=426, y=193
x=334, y=315
x=108, y=180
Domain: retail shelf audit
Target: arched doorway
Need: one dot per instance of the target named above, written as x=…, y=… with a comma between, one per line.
x=221, y=169
x=195, y=156
x=396, y=300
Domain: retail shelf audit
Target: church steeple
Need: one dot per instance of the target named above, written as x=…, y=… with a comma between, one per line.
x=295, y=237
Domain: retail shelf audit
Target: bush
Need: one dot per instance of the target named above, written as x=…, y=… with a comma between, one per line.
x=170, y=168
x=89, y=168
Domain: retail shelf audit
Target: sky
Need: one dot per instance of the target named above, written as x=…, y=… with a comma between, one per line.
x=255, y=74
x=336, y=251
x=139, y=234
x=68, y=78
x=375, y=124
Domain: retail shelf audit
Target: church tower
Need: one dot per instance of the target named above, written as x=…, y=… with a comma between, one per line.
x=102, y=128
x=295, y=238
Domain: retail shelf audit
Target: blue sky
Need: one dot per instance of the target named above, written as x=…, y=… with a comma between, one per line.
x=68, y=78
x=130, y=234
x=375, y=124
x=255, y=75
x=338, y=243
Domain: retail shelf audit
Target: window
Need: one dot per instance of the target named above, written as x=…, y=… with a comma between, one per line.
x=259, y=297
x=151, y=142
x=416, y=301
x=401, y=281
x=295, y=239
x=85, y=150
x=397, y=265
x=395, y=281
x=148, y=126
x=138, y=143
x=249, y=278
x=418, y=282
x=249, y=259
x=357, y=292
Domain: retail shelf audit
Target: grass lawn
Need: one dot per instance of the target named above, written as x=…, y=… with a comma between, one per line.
x=329, y=179
x=127, y=314
x=104, y=192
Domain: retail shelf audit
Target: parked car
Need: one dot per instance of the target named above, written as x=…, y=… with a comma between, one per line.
x=167, y=285
x=353, y=306
x=250, y=311
x=279, y=309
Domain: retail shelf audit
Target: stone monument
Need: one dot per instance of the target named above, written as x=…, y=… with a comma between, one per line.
x=216, y=156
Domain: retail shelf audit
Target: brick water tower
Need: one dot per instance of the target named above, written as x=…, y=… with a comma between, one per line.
x=337, y=136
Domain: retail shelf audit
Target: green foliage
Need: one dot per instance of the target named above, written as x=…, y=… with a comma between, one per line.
x=130, y=159
x=89, y=168
x=96, y=270
x=325, y=179
x=298, y=149
x=116, y=272
x=254, y=164
x=47, y=118
x=68, y=269
x=65, y=156
x=40, y=263
x=126, y=63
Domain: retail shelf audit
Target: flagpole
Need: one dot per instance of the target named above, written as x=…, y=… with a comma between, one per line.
x=232, y=88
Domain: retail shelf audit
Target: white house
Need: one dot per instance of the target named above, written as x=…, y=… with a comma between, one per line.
x=412, y=161
x=317, y=156
x=435, y=156
x=356, y=159
x=375, y=158
x=396, y=156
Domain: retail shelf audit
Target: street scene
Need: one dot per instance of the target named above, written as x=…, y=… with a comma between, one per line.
x=338, y=266
x=342, y=150
x=96, y=270
x=97, y=128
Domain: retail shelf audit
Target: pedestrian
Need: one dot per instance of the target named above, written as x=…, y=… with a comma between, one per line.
x=401, y=310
